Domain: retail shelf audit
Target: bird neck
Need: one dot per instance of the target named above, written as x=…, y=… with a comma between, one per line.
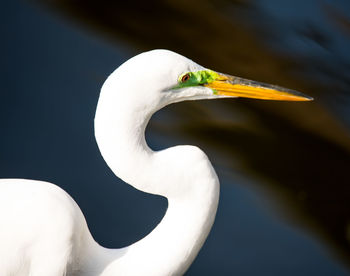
x=120, y=135
x=172, y=246
x=192, y=200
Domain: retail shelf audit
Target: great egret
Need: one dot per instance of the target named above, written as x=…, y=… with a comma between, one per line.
x=44, y=233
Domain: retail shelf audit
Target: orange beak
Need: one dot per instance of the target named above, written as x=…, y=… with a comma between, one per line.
x=227, y=85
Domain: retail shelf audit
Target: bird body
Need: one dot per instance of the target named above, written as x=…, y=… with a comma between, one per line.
x=43, y=231
x=39, y=224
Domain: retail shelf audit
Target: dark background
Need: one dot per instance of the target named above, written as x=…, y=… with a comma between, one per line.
x=285, y=193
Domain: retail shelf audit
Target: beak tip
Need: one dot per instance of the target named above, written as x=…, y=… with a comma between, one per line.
x=299, y=96
x=307, y=98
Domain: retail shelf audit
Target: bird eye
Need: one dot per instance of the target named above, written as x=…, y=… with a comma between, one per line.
x=185, y=77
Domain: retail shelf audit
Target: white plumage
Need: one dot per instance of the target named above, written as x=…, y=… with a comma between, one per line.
x=44, y=233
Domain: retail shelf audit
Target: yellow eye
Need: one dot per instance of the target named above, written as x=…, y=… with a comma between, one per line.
x=185, y=77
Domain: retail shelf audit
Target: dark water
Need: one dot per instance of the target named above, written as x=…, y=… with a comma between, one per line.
x=285, y=194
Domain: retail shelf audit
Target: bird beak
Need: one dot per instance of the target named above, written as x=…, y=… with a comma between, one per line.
x=227, y=85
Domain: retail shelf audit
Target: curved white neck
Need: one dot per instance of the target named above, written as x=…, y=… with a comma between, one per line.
x=172, y=246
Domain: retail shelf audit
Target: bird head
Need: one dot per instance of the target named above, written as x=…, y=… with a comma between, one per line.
x=162, y=77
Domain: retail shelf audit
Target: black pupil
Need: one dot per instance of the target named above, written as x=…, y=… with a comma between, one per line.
x=185, y=78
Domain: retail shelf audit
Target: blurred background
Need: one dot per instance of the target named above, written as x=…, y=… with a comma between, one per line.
x=285, y=191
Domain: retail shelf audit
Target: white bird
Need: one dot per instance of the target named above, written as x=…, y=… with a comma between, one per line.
x=43, y=231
